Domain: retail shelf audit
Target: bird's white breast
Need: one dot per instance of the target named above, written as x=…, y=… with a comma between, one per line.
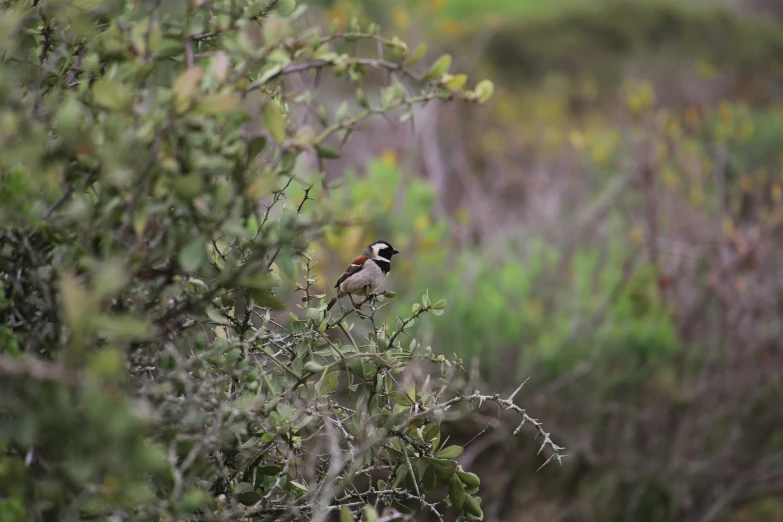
x=370, y=276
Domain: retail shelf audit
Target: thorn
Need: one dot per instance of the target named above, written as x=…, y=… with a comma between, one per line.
x=511, y=397
x=554, y=455
x=519, y=428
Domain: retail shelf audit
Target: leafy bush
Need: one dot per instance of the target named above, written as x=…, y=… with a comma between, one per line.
x=154, y=199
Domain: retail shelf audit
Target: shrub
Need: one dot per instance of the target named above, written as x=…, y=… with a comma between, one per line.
x=154, y=197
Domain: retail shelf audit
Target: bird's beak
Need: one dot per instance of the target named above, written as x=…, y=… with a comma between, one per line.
x=395, y=251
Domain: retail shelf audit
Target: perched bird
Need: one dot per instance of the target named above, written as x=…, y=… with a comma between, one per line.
x=365, y=273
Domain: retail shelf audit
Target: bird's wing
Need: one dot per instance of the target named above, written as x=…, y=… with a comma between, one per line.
x=354, y=267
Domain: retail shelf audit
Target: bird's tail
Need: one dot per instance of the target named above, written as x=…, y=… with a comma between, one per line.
x=331, y=303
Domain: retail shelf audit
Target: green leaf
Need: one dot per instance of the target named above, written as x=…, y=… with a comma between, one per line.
x=273, y=120
x=111, y=95
x=288, y=159
x=249, y=498
x=451, y=452
x=472, y=507
x=285, y=7
x=287, y=266
x=304, y=421
x=330, y=382
x=390, y=94
x=286, y=412
x=260, y=281
x=440, y=305
x=143, y=32
x=193, y=255
x=187, y=187
x=469, y=479
x=219, y=103
x=370, y=515
x=346, y=515
x=272, y=404
x=428, y=478
x=456, y=492
x=235, y=228
x=327, y=152
x=110, y=277
x=216, y=317
x=169, y=48
x=269, y=470
x=342, y=112
x=268, y=73
x=255, y=147
x=439, y=68
x=252, y=226
x=220, y=66
x=69, y=116
x=361, y=98
x=430, y=432
x=193, y=500
x=185, y=87
x=259, y=288
x=484, y=90
x=299, y=486
x=416, y=55
x=107, y=363
x=400, y=398
x=304, y=137
x=443, y=468
x=125, y=327
x=454, y=82
x=313, y=367
x=275, y=29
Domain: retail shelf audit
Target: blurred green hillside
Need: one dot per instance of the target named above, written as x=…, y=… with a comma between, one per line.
x=610, y=228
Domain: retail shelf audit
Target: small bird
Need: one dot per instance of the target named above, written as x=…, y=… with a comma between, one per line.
x=366, y=273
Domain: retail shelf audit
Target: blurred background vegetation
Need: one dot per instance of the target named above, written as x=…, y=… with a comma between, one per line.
x=610, y=228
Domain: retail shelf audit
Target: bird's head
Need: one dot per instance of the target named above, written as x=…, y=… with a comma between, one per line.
x=380, y=250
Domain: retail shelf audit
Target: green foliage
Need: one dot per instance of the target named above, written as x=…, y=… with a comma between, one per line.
x=550, y=321
x=155, y=204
